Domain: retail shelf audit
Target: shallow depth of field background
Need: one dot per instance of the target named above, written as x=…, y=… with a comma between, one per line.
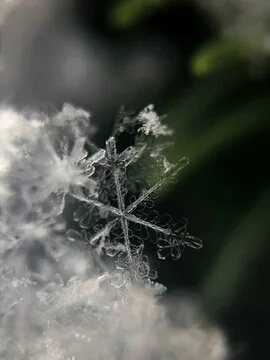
x=205, y=65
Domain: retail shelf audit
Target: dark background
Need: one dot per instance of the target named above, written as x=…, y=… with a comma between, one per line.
x=214, y=86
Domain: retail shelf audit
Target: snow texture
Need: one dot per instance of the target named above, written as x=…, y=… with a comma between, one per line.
x=59, y=297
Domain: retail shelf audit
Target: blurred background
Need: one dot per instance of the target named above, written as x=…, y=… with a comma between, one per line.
x=205, y=64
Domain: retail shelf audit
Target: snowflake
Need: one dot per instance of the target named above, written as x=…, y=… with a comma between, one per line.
x=111, y=204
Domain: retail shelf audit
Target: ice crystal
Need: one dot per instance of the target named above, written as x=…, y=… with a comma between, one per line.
x=113, y=177
x=151, y=123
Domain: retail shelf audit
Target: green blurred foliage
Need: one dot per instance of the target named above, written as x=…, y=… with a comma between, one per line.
x=236, y=261
x=217, y=54
x=127, y=13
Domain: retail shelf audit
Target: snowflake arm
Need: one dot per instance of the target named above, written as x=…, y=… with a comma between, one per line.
x=170, y=173
x=112, y=155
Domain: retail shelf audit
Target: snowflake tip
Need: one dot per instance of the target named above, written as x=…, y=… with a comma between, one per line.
x=193, y=242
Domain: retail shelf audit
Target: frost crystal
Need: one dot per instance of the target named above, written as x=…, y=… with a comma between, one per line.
x=151, y=123
x=120, y=211
x=88, y=292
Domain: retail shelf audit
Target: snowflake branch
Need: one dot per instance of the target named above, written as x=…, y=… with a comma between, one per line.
x=103, y=232
x=170, y=173
x=121, y=206
x=147, y=224
x=98, y=204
